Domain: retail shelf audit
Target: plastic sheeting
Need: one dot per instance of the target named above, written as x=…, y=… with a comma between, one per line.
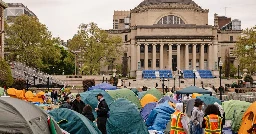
x=208, y=100
x=73, y=122
x=103, y=86
x=155, y=93
x=126, y=94
x=167, y=98
x=89, y=98
x=159, y=117
x=125, y=119
x=147, y=109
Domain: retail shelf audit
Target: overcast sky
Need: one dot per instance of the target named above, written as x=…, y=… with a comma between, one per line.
x=63, y=17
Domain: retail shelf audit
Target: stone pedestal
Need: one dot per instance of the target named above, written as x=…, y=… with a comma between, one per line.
x=138, y=75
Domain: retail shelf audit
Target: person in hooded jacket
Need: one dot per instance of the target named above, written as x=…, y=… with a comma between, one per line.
x=87, y=112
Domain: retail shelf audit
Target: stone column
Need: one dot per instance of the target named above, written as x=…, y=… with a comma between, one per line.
x=154, y=56
x=133, y=58
x=186, y=57
x=178, y=56
x=194, y=56
x=138, y=55
x=170, y=56
x=161, y=56
x=210, y=56
x=202, y=57
x=146, y=57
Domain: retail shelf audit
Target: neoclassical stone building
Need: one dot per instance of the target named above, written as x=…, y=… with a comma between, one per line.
x=174, y=35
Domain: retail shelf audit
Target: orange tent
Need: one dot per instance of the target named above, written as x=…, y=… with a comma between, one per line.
x=40, y=94
x=20, y=94
x=248, y=119
x=148, y=98
x=12, y=92
x=29, y=96
x=194, y=95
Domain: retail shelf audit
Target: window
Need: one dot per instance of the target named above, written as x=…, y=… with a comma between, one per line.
x=171, y=19
x=126, y=37
x=116, y=21
x=116, y=26
x=149, y=48
x=157, y=63
x=157, y=48
x=174, y=47
x=205, y=49
x=142, y=48
x=190, y=48
x=142, y=62
x=231, y=39
x=121, y=20
x=149, y=63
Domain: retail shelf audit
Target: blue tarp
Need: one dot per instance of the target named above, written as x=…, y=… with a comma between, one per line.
x=167, y=98
x=147, y=109
x=73, y=122
x=159, y=117
x=103, y=86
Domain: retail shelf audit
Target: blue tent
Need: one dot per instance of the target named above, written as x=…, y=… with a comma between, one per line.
x=208, y=100
x=147, y=109
x=73, y=122
x=167, y=98
x=159, y=117
x=103, y=86
x=88, y=97
x=124, y=118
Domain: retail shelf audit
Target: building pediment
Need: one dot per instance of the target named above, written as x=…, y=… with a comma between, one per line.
x=185, y=26
x=175, y=6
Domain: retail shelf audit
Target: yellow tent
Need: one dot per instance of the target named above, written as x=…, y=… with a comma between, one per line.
x=248, y=119
x=194, y=95
x=148, y=98
x=40, y=94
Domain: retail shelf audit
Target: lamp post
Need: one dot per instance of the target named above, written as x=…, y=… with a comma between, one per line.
x=103, y=78
x=194, y=72
x=27, y=83
x=179, y=79
x=168, y=79
x=163, y=84
x=174, y=83
x=48, y=83
x=238, y=68
x=220, y=88
x=34, y=79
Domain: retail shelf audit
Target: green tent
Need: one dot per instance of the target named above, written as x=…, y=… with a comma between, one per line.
x=155, y=93
x=135, y=91
x=141, y=94
x=193, y=89
x=1, y=91
x=125, y=118
x=73, y=122
x=232, y=105
x=88, y=97
x=126, y=94
x=237, y=119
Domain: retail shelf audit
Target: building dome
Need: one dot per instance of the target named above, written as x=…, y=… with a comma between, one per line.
x=156, y=2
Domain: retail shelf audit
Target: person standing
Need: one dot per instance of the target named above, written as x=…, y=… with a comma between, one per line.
x=212, y=122
x=78, y=104
x=102, y=113
x=197, y=118
x=55, y=97
x=66, y=103
x=179, y=124
x=87, y=112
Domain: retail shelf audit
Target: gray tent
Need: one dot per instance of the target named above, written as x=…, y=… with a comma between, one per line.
x=193, y=89
x=18, y=116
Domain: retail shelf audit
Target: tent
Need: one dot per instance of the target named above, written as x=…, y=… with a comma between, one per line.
x=124, y=118
x=159, y=117
x=11, y=92
x=208, y=100
x=237, y=119
x=73, y=122
x=230, y=106
x=155, y=93
x=88, y=97
x=141, y=94
x=190, y=106
x=126, y=94
x=249, y=119
x=167, y=98
x=145, y=111
x=18, y=116
x=1, y=91
x=148, y=98
x=194, y=95
x=193, y=89
x=103, y=86
x=136, y=91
